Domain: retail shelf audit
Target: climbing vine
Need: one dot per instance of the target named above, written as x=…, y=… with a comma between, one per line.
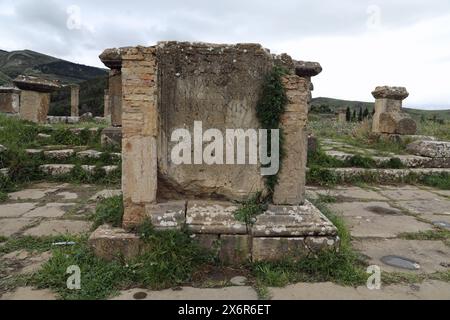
x=270, y=108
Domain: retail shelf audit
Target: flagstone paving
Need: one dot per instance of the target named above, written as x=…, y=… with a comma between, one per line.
x=377, y=218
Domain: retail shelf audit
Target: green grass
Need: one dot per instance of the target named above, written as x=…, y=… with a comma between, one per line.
x=431, y=235
x=109, y=211
x=170, y=260
x=344, y=267
x=35, y=244
x=3, y=239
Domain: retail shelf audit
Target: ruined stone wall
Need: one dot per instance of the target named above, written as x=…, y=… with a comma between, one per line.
x=220, y=86
x=9, y=102
x=34, y=106
x=173, y=84
x=115, y=97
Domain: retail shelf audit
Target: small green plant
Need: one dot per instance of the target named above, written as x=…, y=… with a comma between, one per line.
x=109, y=211
x=250, y=209
x=361, y=162
x=3, y=239
x=39, y=244
x=270, y=108
x=320, y=159
x=322, y=177
x=393, y=163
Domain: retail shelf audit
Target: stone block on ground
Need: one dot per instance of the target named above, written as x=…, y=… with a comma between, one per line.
x=9, y=227
x=111, y=243
x=57, y=169
x=432, y=149
x=59, y=154
x=235, y=249
x=111, y=136
x=89, y=154
x=293, y=221
x=15, y=210
x=213, y=217
x=105, y=194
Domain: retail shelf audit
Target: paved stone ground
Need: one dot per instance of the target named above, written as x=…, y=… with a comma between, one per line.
x=376, y=217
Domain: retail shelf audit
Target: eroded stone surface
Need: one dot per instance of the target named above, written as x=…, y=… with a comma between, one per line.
x=49, y=210
x=168, y=215
x=111, y=243
x=388, y=226
x=430, y=206
x=432, y=149
x=105, y=194
x=8, y=227
x=293, y=221
x=213, y=217
x=364, y=209
x=58, y=227
x=30, y=194
x=15, y=210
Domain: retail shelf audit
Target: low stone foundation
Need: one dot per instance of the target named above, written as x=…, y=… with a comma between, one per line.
x=281, y=232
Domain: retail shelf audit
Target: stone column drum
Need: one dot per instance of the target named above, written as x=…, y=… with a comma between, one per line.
x=35, y=97
x=9, y=100
x=388, y=117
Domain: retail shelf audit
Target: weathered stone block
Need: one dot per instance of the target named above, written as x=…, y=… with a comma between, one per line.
x=111, y=136
x=213, y=217
x=235, y=249
x=9, y=100
x=293, y=221
x=114, y=243
x=276, y=249
x=432, y=149
x=168, y=215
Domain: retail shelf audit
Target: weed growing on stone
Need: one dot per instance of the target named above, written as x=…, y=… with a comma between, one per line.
x=109, y=211
x=270, y=108
x=33, y=244
x=250, y=209
x=322, y=176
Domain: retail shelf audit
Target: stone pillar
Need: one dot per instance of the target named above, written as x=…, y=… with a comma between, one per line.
x=35, y=97
x=115, y=96
x=9, y=100
x=388, y=117
x=74, y=100
x=107, y=105
x=139, y=128
x=290, y=189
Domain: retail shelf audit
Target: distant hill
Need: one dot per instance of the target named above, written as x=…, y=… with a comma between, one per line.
x=32, y=63
x=330, y=105
x=92, y=81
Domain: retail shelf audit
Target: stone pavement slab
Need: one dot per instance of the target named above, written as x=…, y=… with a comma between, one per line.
x=28, y=293
x=348, y=193
x=411, y=193
x=430, y=255
x=15, y=210
x=188, y=293
x=50, y=210
x=30, y=194
x=435, y=206
x=58, y=227
x=364, y=209
x=428, y=290
x=8, y=227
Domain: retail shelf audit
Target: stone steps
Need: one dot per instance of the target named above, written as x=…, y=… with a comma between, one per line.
x=68, y=153
x=386, y=175
x=61, y=169
x=409, y=161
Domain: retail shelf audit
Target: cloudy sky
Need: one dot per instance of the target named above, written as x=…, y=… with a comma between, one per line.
x=360, y=44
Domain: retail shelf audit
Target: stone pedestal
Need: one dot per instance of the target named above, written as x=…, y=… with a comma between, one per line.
x=35, y=97
x=200, y=89
x=342, y=117
x=9, y=100
x=74, y=100
x=388, y=117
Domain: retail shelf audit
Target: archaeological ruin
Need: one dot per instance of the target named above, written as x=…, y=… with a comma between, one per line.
x=155, y=91
x=389, y=118
x=35, y=97
x=9, y=100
